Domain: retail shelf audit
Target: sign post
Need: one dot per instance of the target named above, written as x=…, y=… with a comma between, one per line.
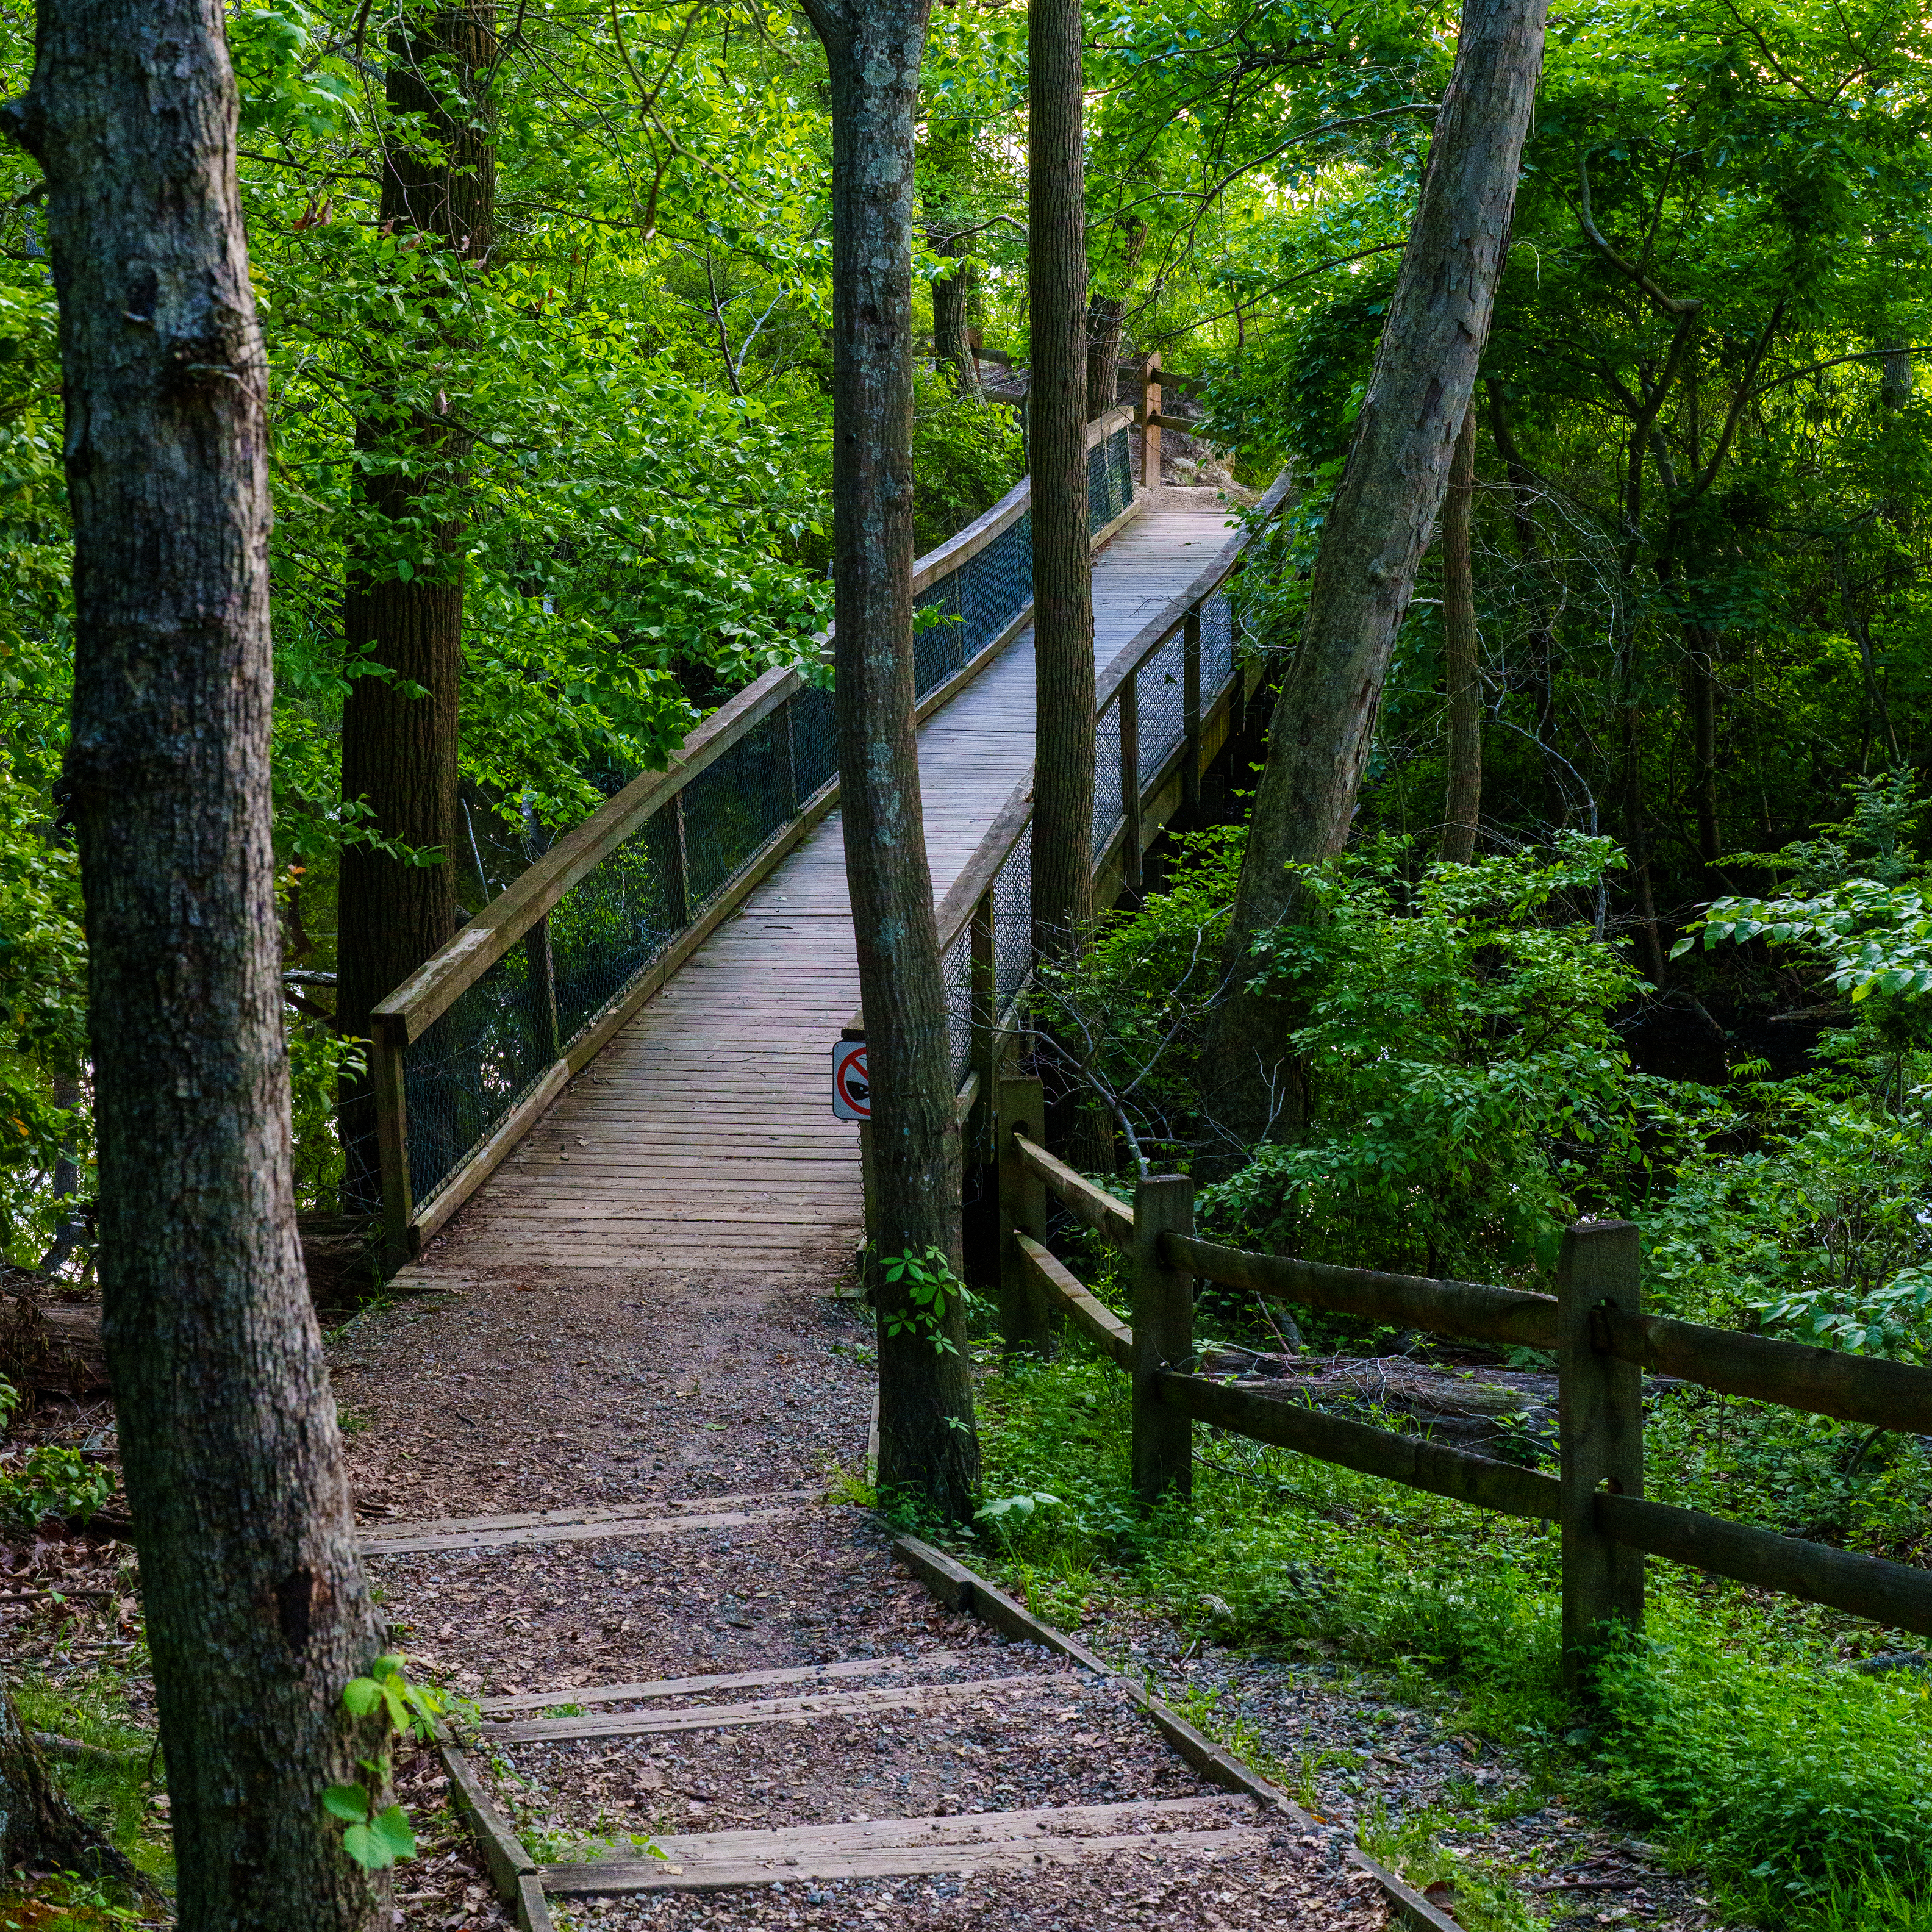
x=851, y=1088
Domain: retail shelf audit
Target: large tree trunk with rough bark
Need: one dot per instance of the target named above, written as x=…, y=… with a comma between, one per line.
x=927, y=1445
x=1397, y=476
x=256, y=1611
x=1063, y=563
x=399, y=749
x=1462, y=804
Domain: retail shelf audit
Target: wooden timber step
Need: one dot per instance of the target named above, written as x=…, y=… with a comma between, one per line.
x=563, y=1526
x=692, y=1687
x=918, y=1697
x=904, y=1847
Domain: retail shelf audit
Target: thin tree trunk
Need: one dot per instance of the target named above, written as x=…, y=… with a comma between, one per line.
x=399, y=751
x=1637, y=841
x=256, y=1611
x=1700, y=680
x=1062, y=564
x=1543, y=632
x=927, y=1446
x=1105, y=318
x=1462, y=807
x=952, y=309
x=1397, y=473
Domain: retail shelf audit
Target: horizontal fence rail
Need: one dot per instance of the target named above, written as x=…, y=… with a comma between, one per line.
x=1602, y=1340
x=469, y=1052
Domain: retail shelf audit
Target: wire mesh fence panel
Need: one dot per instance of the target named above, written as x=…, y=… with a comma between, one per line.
x=1217, y=646
x=734, y=807
x=940, y=646
x=814, y=741
x=468, y=1068
x=958, y=966
x=1013, y=920
x=621, y=915
x=1106, y=776
x=1163, y=708
x=1120, y=459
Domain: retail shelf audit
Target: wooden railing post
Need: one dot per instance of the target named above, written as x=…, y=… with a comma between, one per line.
x=387, y=1046
x=1600, y=1438
x=1128, y=707
x=1163, y=1321
x=1147, y=418
x=1190, y=707
x=1021, y=1108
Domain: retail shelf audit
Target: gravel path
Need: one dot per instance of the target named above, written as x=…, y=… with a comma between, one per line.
x=544, y=1390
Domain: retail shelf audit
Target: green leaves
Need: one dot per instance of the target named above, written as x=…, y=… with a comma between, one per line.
x=930, y=1287
x=375, y=1839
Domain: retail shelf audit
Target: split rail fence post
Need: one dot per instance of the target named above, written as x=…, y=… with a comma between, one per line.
x=1022, y=1109
x=1149, y=415
x=1163, y=1322
x=1600, y=1407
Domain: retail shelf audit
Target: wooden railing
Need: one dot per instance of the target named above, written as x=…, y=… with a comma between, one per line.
x=1593, y=1323
x=469, y=1052
x=1165, y=707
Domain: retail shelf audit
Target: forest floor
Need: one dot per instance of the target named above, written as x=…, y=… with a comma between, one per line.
x=544, y=1390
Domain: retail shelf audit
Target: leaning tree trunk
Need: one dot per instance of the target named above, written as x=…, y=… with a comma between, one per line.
x=1463, y=803
x=1397, y=473
x=256, y=1611
x=927, y=1445
x=1104, y=321
x=38, y=1824
x=399, y=749
x=1062, y=564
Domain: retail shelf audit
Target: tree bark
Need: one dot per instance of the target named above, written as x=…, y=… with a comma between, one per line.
x=38, y=1824
x=952, y=313
x=927, y=1446
x=1463, y=804
x=257, y=1610
x=1390, y=494
x=1105, y=316
x=399, y=751
x=1062, y=565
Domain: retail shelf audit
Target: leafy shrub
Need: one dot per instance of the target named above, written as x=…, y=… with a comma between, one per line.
x=46, y=1480
x=966, y=455
x=1465, y=1082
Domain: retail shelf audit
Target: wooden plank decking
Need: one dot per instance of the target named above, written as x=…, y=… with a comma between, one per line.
x=703, y=1139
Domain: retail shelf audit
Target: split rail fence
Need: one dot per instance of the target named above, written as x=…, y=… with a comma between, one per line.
x=471, y=1050
x=1594, y=1323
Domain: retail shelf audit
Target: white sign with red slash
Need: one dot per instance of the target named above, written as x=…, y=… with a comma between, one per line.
x=851, y=1090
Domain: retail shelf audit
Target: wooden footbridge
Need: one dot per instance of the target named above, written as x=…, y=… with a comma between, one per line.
x=625, y=1059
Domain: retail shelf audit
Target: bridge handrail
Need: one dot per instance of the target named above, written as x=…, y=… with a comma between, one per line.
x=986, y=918
x=470, y=1050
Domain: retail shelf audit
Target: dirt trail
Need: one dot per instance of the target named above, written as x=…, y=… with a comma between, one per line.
x=890, y=1765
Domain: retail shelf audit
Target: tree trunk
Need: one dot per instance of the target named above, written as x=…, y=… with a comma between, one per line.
x=1700, y=681
x=951, y=311
x=257, y=1610
x=37, y=1825
x=1388, y=498
x=398, y=751
x=1062, y=564
x=1463, y=804
x=1636, y=839
x=927, y=1445
x=1104, y=317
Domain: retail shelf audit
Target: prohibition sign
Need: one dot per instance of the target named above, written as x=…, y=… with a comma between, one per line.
x=851, y=1090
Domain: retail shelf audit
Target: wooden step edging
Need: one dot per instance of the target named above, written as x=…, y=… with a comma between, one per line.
x=957, y=1587
x=428, y=1539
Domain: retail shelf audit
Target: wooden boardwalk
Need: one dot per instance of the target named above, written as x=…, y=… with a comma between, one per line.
x=703, y=1139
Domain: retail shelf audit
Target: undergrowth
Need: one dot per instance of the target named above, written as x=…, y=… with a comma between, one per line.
x=1734, y=1733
